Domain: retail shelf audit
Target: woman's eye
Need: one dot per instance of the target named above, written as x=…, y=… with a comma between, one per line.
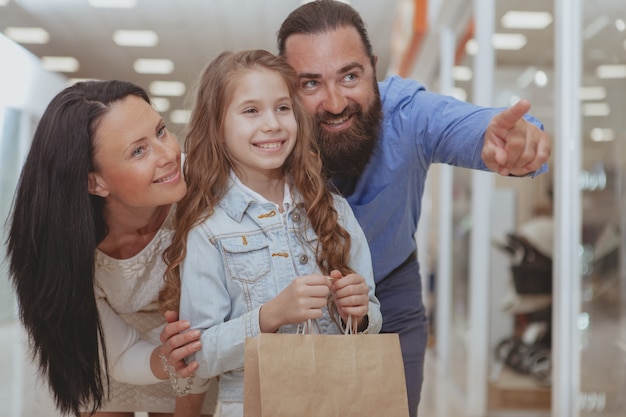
x=139, y=151
x=284, y=108
x=162, y=131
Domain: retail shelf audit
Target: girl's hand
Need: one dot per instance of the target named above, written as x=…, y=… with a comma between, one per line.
x=351, y=295
x=302, y=300
x=176, y=346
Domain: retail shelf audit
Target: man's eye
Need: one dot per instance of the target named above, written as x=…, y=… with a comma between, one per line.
x=351, y=78
x=310, y=84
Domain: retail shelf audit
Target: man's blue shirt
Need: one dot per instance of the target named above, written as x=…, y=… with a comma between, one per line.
x=419, y=128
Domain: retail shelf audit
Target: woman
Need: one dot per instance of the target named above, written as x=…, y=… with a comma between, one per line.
x=91, y=216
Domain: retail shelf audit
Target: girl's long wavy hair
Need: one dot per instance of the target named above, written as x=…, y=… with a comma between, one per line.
x=208, y=164
x=55, y=226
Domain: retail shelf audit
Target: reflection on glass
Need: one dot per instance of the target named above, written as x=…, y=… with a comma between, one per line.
x=603, y=310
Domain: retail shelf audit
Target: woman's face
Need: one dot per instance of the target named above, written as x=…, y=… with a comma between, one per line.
x=137, y=160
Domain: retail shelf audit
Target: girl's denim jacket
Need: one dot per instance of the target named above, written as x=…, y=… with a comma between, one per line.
x=241, y=257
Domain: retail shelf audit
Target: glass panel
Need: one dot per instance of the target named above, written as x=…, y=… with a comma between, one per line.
x=603, y=319
x=461, y=235
x=521, y=263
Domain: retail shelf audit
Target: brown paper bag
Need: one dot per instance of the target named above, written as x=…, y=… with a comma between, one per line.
x=314, y=375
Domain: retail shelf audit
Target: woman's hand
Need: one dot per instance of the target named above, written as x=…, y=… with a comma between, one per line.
x=351, y=295
x=303, y=299
x=189, y=406
x=175, y=347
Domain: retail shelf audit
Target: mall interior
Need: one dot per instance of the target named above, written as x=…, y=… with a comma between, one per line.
x=524, y=278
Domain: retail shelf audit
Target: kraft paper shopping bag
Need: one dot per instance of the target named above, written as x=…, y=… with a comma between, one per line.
x=314, y=375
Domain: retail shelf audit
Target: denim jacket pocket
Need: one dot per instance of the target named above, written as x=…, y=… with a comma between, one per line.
x=247, y=257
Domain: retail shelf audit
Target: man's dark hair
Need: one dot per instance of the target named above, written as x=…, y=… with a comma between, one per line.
x=323, y=16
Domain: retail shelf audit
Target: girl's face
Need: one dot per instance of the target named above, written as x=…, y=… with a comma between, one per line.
x=137, y=160
x=260, y=128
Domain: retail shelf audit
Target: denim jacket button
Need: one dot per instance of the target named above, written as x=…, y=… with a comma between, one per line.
x=296, y=217
x=303, y=259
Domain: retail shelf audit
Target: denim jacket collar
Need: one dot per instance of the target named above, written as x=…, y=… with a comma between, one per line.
x=237, y=201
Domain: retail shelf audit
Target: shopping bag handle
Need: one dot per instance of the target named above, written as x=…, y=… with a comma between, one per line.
x=307, y=327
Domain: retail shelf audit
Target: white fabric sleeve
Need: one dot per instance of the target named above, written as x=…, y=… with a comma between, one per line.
x=128, y=355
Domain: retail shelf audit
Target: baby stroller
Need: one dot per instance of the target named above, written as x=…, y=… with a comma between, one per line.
x=528, y=350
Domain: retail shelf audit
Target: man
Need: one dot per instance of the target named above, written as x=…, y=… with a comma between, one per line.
x=377, y=141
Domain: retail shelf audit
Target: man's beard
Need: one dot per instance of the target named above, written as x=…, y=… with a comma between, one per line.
x=345, y=154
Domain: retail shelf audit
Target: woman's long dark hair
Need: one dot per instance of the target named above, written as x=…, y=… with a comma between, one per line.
x=55, y=226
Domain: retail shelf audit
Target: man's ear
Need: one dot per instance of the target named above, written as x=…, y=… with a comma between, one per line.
x=96, y=186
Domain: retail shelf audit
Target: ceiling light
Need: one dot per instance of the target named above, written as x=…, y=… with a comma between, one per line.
x=508, y=41
x=471, y=47
x=160, y=104
x=167, y=88
x=461, y=73
x=153, y=66
x=135, y=38
x=592, y=93
x=620, y=25
x=60, y=63
x=596, y=109
x=602, y=135
x=611, y=71
x=541, y=79
x=526, y=20
x=113, y=4
x=27, y=35
x=180, y=117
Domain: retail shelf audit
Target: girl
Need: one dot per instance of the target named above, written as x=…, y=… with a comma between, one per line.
x=258, y=234
x=92, y=214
